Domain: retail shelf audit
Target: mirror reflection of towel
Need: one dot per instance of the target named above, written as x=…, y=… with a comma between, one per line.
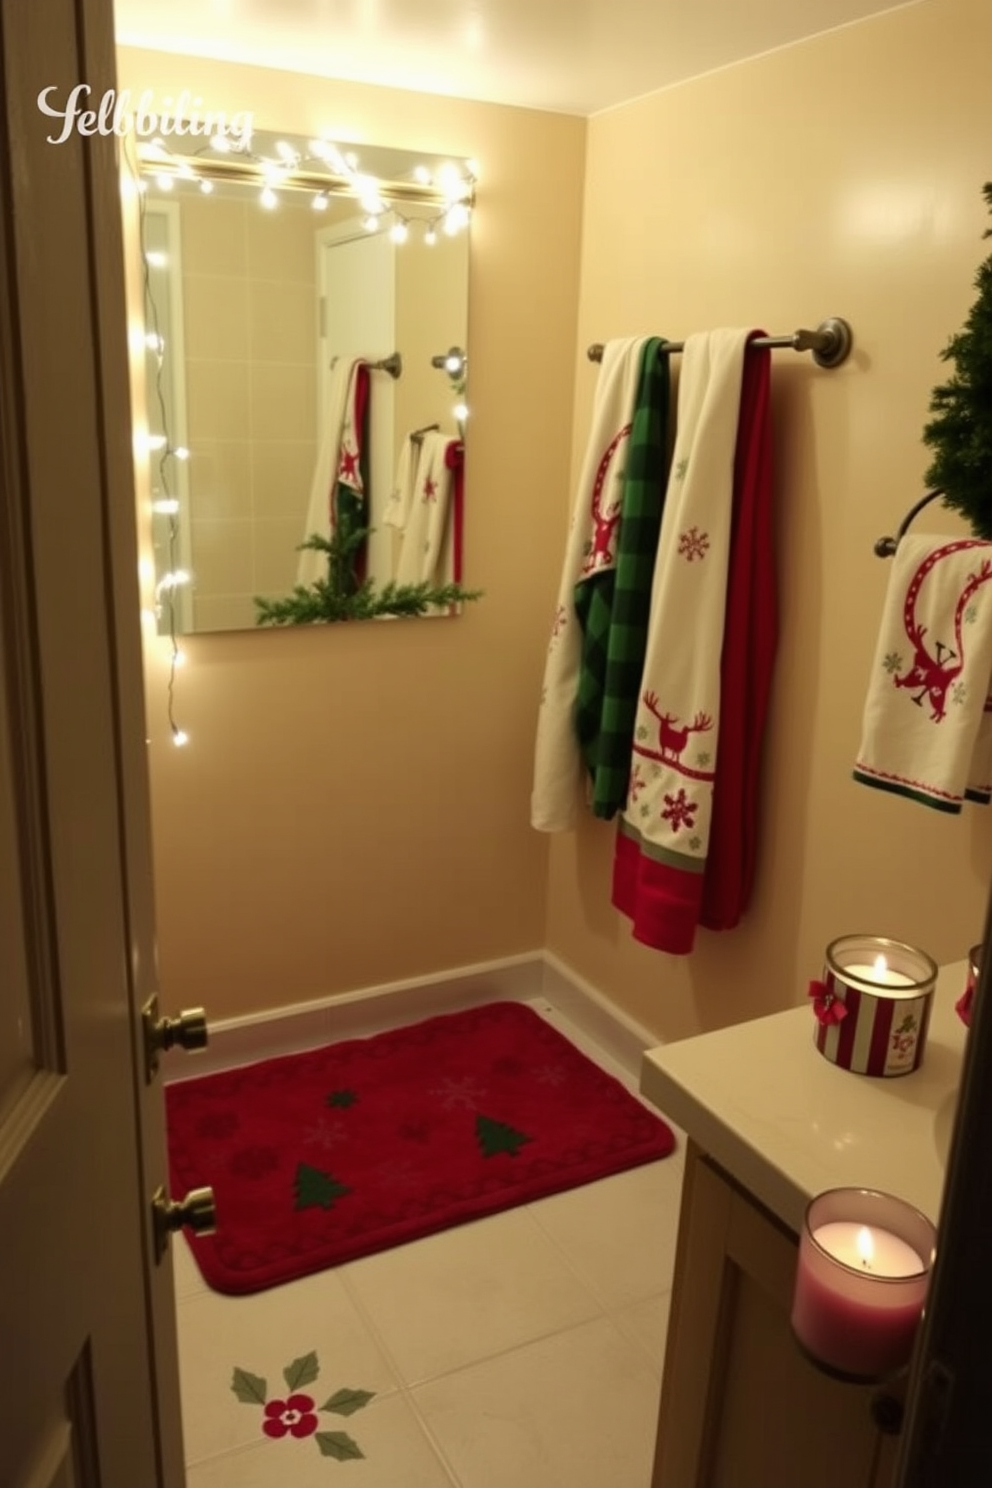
x=429, y=486
x=313, y=565
x=397, y=512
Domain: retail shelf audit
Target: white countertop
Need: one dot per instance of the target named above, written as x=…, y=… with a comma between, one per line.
x=787, y=1124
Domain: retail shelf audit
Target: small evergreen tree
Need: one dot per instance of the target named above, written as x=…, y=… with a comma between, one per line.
x=961, y=431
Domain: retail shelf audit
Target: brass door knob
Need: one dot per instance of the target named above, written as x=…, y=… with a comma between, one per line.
x=188, y=1030
x=196, y=1212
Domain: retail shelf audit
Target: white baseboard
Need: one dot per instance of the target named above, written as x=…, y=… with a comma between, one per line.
x=527, y=978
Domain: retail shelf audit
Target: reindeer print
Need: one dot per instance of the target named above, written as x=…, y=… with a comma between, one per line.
x=605, y=514
x=671, y=740
x=936, y=665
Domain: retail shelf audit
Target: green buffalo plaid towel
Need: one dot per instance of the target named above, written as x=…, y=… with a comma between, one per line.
x=613, y=603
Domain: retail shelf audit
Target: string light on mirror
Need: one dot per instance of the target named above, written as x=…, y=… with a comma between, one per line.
x=272, y=164
x=167, y=456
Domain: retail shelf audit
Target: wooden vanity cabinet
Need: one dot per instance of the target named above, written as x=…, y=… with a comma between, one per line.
x=741, y=1407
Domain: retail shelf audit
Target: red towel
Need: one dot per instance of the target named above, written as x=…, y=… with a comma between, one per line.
x=747, y=661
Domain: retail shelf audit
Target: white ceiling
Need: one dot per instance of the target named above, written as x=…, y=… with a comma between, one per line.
x=570, y=56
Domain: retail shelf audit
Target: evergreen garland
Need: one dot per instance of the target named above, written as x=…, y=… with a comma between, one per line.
x=961, y=432
x=341, y=596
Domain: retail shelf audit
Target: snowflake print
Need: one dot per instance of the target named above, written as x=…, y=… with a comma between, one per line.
x=695, y=843
x=430, y=489
x=693, y=544
x=464, y=1092
x=643, y=732
x=681, y=468
x=637, y=784
x=645, y=810
x=325, y=1134
x=680, y=811
x=559, y=622
x=703, y=759
x=893, y=662
x=959, y=692
x=971, y=614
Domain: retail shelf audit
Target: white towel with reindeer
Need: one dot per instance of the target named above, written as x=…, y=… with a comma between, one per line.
x=927, y=727
x=590, y=547
x=665, y=826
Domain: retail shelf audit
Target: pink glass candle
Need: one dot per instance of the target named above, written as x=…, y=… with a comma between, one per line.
x=963, y=1005
x=861, y=1281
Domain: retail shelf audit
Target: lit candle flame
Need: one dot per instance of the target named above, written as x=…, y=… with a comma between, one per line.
x=866, y=1247
x=881, y=966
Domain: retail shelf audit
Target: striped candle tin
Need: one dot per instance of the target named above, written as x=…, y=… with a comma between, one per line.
x=886, y=989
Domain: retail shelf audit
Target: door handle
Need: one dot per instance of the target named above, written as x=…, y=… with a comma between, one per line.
x=189, y=1030
x=197, y=1212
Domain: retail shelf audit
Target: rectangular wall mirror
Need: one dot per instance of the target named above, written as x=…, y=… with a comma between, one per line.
x=269, y=274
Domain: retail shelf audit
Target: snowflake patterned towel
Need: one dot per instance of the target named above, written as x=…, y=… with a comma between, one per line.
x=663, y=833
x=590, y=547
x=927, y=726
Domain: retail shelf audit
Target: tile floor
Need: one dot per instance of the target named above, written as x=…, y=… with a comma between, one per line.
x=519, y=1351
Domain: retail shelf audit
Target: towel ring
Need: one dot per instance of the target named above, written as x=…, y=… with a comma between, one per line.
x=886, y=546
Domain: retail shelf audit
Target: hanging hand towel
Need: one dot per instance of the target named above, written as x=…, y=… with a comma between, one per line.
x=663, y=834
x=925, y=732
x=590, y=548
x=339, y=442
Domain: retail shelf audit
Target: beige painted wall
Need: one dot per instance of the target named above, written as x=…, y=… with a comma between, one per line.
x=353, y=806
x=840, y=177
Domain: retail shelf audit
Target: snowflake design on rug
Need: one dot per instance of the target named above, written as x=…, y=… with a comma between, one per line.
x=680, y=811
x=893, y=662
x=295, y=1414
x=325, y=1134
x=464, y=1093
x=550, y=1074
x=693, y=544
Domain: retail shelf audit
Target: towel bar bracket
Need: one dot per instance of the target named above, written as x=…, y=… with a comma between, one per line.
x=830, y=343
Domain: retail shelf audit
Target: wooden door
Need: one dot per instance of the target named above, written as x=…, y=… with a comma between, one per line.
x=87, y=1331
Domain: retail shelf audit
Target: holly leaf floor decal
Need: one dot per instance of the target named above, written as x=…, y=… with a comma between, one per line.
x=301, y=1371
x=249, y=1388
x=346, y=1402
x=339, y=1445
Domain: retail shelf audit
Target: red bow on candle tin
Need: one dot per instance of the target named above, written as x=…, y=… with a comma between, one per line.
x=826, y=1004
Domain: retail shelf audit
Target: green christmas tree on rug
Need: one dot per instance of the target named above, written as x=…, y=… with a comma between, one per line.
x=961, y=431
x=495, y=1137
x=315, y=1189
